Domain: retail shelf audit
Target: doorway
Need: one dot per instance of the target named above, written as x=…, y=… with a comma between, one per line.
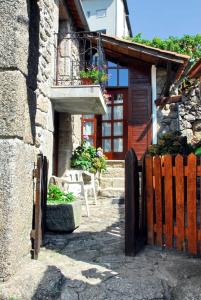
x=112, y=133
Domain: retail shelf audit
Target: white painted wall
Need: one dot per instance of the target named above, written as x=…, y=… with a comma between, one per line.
x=107, y=22
x=115, y=20
x=154, y=109
x=121, y=24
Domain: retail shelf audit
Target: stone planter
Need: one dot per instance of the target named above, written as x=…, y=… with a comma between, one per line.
x=63, y=217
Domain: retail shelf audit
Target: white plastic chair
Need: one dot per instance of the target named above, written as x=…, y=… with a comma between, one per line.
x=89, y=184
x=77, y=186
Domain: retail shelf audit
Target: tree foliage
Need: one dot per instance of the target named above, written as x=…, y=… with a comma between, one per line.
x=188, y=44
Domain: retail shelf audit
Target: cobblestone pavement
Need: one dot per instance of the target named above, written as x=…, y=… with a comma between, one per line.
x=89, y=264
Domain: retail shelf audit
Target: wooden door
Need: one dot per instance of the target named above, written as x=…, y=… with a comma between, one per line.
x=139, y=110
x=113, y=129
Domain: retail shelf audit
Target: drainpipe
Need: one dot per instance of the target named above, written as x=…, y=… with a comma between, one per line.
x=154, y=109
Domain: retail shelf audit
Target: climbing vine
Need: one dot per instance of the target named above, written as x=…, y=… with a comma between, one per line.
x=188, y=44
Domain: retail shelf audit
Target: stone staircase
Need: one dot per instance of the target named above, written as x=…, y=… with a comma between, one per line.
x=112, y=181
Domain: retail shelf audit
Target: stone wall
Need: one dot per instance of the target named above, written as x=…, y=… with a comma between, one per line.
x=17, y=132
x=27, y=53
x=190, y=115
x=68, y=55
x=68, y=71
x=184, y=116
x=69, y=139
x=167, y=116
x=44, y=121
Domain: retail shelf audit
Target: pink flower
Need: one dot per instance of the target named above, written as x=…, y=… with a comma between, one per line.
x=99, y=153
x=86, y=137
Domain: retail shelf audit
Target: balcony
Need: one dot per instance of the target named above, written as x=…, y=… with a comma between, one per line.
x=80, y=74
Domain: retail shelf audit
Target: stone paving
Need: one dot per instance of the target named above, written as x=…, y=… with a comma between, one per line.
x=89, y=264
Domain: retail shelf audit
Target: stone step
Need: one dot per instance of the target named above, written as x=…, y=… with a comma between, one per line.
x=112, y=192
x=115, y=163
x=113, y=172
x=117, y=182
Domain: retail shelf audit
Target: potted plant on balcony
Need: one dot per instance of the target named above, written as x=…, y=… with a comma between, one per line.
x=93, y=75
x=63, y=212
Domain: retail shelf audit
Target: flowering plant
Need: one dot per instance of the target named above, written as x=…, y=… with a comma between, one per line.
x=87, y=157
x=95, y=74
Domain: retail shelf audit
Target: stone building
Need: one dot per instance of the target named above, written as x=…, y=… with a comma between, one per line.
x=30, y=102
x=43, y=46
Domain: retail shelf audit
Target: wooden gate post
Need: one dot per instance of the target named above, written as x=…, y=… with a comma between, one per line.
x=44, y=194
x=39, y=212
x=131, y=203
x=37, y=236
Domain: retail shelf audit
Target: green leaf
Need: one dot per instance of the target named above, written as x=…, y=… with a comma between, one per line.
x=198, y=151
x=188, y=44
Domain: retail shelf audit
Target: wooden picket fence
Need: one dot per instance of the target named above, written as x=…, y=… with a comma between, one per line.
x=173, y=199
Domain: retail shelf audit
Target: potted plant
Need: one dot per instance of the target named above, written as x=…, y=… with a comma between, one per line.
x=63, y=212
x=87, y=157
x=93, y=75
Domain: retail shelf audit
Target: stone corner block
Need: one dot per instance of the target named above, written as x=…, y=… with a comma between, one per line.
x=13, y=97
x=14, y=42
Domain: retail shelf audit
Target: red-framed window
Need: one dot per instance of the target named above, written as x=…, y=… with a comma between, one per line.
x=89, y=128
x=113, y=125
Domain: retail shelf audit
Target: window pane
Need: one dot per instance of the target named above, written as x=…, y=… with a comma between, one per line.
x=111, y=64
x=118, y=129
x=88, y=128
x=101, y=13
x=123, y=77
x=106, y=129
x=106, y=145
x=88, y=116
x=108, y=115
x=118, y=98
x=90, y=141
x=118, y=112
x=112, y=77
x=118, y=145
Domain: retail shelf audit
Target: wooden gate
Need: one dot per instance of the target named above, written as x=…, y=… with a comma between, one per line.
x=173, y=201
x=40, y=176
x=134, y=206
x=167, y=207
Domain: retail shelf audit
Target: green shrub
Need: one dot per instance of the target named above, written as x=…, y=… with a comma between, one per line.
x=188, y=44
x=171, y=143
x=57, y=196
x=86, y=157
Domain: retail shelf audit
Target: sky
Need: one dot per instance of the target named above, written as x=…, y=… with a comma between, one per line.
x=163, y=18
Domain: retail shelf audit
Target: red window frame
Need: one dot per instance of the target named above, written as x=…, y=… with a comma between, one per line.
x=94, y=121
x=112, y=121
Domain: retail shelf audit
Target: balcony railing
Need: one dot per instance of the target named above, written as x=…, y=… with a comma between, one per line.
x=80, y=59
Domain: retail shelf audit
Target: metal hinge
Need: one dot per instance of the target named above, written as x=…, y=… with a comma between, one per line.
x=35, y=173
x=32, y=234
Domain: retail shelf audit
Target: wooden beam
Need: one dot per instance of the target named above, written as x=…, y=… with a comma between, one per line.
x=195, y=72
x=162, y=101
